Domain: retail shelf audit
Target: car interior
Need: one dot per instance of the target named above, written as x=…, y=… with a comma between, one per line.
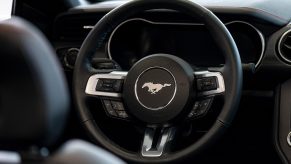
x=145, y=81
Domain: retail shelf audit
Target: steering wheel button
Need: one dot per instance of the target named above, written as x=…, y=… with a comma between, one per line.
x=200, y=108
x=108, y=81
x=99, y=85
x=117, y=85
x=107, y=85
x=108, y=107
x=122, y=114
x=191, y=114
x=207, y=84
x=204, y=106
x=116, y=105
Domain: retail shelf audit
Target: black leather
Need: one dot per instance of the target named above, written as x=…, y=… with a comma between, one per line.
x=232, y=73
x=34, y=98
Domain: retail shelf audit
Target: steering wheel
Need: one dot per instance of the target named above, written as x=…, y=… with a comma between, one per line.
x=160, y=90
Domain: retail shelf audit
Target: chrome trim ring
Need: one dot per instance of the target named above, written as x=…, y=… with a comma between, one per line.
x=289, y=139
x=135, y=88
x=260, y=35
x=279, y=45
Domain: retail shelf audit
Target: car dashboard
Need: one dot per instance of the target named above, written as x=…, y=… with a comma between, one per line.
x=254, y=30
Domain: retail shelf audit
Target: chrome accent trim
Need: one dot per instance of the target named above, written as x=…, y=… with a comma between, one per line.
x=135, y=88
x=93, y=80
x=147, y=149
x=289, y=138
x=189, y=24
x=279, y=44
x=260, y=35
x=220, y=80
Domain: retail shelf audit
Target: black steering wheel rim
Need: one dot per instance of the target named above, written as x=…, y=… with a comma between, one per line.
x=232, y=73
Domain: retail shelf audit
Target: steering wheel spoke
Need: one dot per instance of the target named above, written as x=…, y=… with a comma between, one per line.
x=157, y=141
x=106, y=85
x=209, y=83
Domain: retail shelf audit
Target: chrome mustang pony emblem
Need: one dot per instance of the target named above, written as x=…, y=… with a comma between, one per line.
x=154, y=88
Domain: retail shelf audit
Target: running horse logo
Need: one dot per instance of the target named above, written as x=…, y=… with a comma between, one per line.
x=154, y=88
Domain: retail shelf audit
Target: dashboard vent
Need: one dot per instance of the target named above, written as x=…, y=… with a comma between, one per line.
x=74, y=27
x=284, y=46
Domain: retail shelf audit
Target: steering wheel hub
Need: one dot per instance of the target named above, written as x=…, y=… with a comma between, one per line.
x=158, y=88
x=155, y=88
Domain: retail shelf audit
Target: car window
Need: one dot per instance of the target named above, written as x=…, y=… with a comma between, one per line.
x=5, y=9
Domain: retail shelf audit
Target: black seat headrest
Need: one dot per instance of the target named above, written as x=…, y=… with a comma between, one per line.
x=34, y=98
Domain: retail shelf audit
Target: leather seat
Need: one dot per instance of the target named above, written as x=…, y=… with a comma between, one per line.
x=34, y=99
